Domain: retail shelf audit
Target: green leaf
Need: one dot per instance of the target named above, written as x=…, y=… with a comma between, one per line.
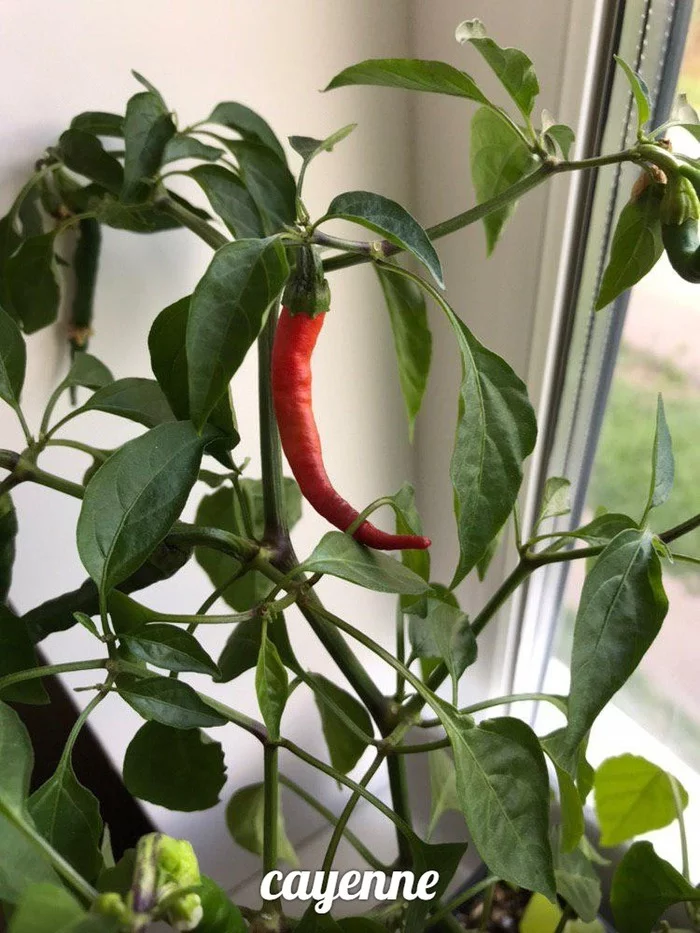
x=512, y=67
x=87, y=372
x=147, y=129
x=662, y=463
x=229, y=197
x=411, y=74
x=8, y=534
x=247, y=124
x=445, y=633
x=32, y=284
x=220, y=914
x=140, y=400
x=633, y=796
x=557, y=134
x=181, y=769
x=484, y=562
x=17, y=654
x=640, y=93
x=46, y=908
x=245, y=815
x=188, y=147
x=82, y=152
x=496, y=431
x=405, y=303
x=441, y=857
x=499, y=158
x=636, y=246
x=21, y=862
x=134, y=498
x=577, y=882
x=308, y=148
x=167, y=701
x=345, y=746
x=643, y=887
x=392, y=221
x=408, y=522
x=226, y=315
x=99, y=123
x=620, y=613
x=171, y=648
x=341, y=556
x=13, y=360
x=541, y=915
x=443, y=787
x=241, y=651
x=556, y=499
x=571, y=807
x=127, y=614
x=603, y=528
x=271, y=686
x=503, y=789
x=68, y=816
x=269, y=182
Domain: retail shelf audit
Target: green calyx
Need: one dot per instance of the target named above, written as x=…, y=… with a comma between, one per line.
x=307, y=291
x=680, y=202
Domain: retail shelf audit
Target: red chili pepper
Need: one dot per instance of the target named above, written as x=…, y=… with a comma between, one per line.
x=295, y=340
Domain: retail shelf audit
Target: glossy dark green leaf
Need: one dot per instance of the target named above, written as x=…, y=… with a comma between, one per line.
x=444, y=858
x=640, y=92
x=171, y=648
x=168, y=701
x=139, y=218
x=496, y=431
x=82, y=152
x=13, y=360
x=499, y=158
x=269, y=182
x=68, y=816
x=140, y=400
x=556, y=499
x=620, y=613
x=636, y=246
x=226, y=315
x=242, y=649
x=46, y=908
x=188, y=147
x=633, y=796
x=643, y=887
x=392, y=221
x=271, y=686
x=245, y=815
x=443, y=787
x=99, y=123
x=229, y=198
x=341, y=556
x=577, y=882
x=87, y=371
x=17, y=654
x=21, y=862
x=32, y=283
x=134, y=498
x=29, y=213
x=127, y=614
x=503, y=788
x=8, y=534
x=405, y=303
x=181, y=769
x=445, y=633
x=662, y=463
x=9, y=241
x=411, y=74
x=247, y=124
x=512, y=67
x=408, y=522
x=147, y=129
x=344, y=745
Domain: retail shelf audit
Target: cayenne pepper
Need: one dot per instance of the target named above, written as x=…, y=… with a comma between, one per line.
x=305, y=304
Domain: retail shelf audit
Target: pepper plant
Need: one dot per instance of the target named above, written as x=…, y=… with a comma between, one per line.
x=56, y=869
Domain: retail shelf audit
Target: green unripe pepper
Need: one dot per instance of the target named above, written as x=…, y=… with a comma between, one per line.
x=680, y=211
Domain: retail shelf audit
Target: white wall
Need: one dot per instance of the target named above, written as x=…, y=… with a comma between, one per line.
x=273, y=56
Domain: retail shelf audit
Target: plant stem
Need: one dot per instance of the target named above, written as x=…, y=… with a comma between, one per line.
x=83, y=448
x=460, y=899
x=341, y=824
x=48, y=670
x=567, y=914
x=271, y=814
x=396, y=766
x=196, y=224
x=498, y=701
x=487, y=907
x=83, y=718
x=400, y=652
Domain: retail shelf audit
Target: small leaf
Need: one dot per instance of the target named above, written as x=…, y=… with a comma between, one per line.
x=82, y=152
x=32, y=284
x=556, y=499
x=134, y=498
x=443, y=787
x=408, y=522
x=662, y=464
x=484, y=562
x=308, y=148
x=345, y=746
x=578, y=883
x=633, y=796
x=181, y=769
x=68, y=816
x=499, y=158
x=271, y=686
x=226, y=315
x=643, y=887
x=682, y=111
x=171, y=648
x=445, y=633
x=139, y=400
x=188, y=147
x=512, y=67
x=87, y=372
x=13, y=360
x=636, y=246
x=147, y=129
x=99, y=123
x=82, y=619
x=341, y=556
x=269, y=182
x=248, y=124
x=410, y=74
x=245, y=815
x=640, y=93
x=230, y=199
x=444, y=858
x=571, y=807
x=603, y=528
x=241, y=651
x=559, y=134
x=17, y=654
x=167, y=701
x=405, y=303
x=392, y=221
x=8, y=534
x=46, y=908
